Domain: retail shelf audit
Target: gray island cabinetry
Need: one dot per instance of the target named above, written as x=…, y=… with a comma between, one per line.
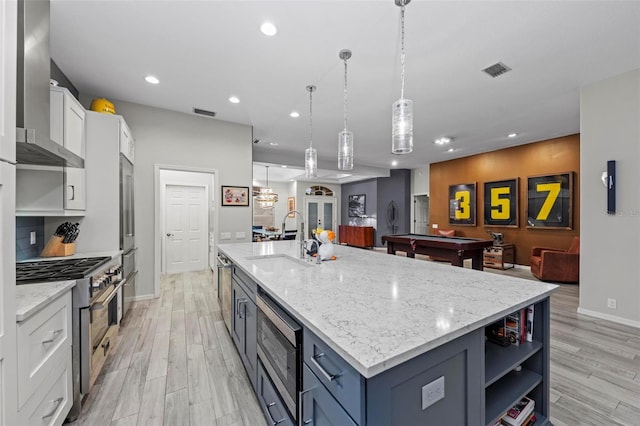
x=388, y=340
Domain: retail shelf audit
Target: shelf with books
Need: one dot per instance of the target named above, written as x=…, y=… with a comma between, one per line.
x=507, y=391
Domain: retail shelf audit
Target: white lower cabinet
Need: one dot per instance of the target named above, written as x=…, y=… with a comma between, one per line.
x=44, y=365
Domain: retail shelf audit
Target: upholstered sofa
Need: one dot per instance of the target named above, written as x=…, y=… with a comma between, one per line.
x=557, y=265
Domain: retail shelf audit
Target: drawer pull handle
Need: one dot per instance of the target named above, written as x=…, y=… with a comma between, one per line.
x=55, y=333
x=242, y=302
x=273, y=422
x=329, y=377
x=56, y=402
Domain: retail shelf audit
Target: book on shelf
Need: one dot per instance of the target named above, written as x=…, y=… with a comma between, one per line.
x=519, y=413
x=530, y=310
x=515, y=328
x=530, y=420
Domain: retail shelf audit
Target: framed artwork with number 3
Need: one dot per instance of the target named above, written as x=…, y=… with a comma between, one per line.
x=462, y=204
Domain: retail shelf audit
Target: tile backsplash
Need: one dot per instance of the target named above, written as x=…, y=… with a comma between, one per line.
x=24, y=227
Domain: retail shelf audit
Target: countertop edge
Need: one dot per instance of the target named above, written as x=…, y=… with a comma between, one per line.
x=28, y=304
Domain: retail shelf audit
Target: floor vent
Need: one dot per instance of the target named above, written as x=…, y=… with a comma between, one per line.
x=497, y=69
x=204, y=112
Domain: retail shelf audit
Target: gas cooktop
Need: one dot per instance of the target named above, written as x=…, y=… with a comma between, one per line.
x=57, y=270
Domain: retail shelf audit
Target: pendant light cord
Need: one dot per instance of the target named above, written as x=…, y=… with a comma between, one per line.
x=345, y=95
x=402, y=52
x=311, y=118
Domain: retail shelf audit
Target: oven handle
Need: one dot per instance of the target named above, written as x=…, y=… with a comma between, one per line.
x=270, y=312
x=101, y=305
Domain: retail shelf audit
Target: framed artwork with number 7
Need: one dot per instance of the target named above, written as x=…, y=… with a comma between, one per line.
x=501, y=203
x=462, y=204
x=550, y=201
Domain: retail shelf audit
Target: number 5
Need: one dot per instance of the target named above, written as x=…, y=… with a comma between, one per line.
x=500, y=206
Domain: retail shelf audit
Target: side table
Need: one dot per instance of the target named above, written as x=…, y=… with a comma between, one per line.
x=497, y=256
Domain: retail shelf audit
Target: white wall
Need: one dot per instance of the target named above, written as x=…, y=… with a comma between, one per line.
x=171, y=138
x=610, y=244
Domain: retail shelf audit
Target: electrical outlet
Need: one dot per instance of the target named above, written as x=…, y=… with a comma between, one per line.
x=32, y=237
x=239, y=235
x=612, y=303
x=432, y=392
x=434, y=226
x=225, y=235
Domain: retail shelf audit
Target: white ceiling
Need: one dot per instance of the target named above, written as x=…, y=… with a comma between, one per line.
x=205, y=51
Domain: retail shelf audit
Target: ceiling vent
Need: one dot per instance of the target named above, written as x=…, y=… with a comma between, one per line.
x=497, y=69
x=204, y=112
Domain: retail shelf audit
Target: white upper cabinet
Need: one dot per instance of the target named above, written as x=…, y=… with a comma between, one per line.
x=126, y=142
x=67, y=120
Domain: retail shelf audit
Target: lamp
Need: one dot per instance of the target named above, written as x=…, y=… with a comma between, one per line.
x=345, y=137
x=266, y=198
x=310, y=154
x=402, y=109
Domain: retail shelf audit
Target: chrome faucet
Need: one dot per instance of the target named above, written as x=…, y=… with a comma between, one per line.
x=302, y=245
x=317, y=244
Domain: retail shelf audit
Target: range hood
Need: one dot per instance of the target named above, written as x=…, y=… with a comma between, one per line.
x=33, y=141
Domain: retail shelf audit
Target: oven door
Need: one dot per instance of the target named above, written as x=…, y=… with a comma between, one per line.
x=279, y=348
x=102, y=316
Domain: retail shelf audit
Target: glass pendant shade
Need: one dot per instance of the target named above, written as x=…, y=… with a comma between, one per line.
x=311, y=163
x=345, y=150
x=402, y=127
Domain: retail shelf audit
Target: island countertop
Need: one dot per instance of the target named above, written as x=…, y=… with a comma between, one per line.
x=377, y=310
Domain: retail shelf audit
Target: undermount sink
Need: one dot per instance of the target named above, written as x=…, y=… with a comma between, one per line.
x=278, y=263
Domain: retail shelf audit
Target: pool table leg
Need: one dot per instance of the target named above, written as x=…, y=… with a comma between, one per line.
x=477, y=261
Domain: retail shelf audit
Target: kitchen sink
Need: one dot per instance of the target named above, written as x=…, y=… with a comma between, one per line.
x=278, y=263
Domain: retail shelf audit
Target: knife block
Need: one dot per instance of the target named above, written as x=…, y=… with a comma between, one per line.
x=55, y=248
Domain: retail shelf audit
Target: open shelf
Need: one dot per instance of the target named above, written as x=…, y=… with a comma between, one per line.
x=507, y=391
x=500, y=360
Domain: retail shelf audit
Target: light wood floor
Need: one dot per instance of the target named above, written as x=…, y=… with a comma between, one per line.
x=175, y=364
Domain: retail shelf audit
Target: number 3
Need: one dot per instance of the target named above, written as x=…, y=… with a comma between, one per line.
x=464, y=207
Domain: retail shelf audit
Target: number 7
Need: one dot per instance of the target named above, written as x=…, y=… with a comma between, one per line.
x=554, y=190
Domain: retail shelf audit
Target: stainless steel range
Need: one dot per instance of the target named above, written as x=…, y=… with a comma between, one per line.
x=95, y=311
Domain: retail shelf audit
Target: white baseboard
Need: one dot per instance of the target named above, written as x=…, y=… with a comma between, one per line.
x=608, y=317
x=144, y=297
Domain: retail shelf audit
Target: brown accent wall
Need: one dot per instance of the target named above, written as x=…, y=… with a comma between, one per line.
x=539, y=158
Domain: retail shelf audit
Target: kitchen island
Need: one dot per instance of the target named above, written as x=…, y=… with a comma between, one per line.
x=402, y=325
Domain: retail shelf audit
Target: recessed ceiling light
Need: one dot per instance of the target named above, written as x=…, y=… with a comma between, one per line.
x=394, y=163
x=151, y=79
x=273, y=143
x=284, y=166
x=442, y=141
x=234, y=100
x=450, y=150
x=268, y=29
x=512, y=135
x=294, y=114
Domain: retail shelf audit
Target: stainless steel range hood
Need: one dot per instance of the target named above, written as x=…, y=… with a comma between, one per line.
x=33, y=141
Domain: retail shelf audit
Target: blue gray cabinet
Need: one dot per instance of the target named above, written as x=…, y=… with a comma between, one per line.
x=319, y=407
x=244, y=328
x=270, y=402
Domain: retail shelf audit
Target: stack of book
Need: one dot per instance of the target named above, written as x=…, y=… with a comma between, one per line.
x=520, y=414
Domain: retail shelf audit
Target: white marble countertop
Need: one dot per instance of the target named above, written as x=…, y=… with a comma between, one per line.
x=31, y=298
x=111, y=254
x=377, y=310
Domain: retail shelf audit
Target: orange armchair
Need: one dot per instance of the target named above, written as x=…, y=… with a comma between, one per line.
x=552, y=264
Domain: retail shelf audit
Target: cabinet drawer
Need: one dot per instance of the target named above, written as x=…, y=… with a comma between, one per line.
x=51, y=402
x=340, y=379
x=248, y=285
x=318, y=405
x=43, y=341
x=100, y=354
x=271, y=404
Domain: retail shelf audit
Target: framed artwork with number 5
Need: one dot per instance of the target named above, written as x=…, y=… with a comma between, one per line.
x=501, y=203
x=550, y=201
x=462, y=204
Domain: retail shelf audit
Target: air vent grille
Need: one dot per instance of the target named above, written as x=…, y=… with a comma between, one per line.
x=497, y=69
x=204, y=112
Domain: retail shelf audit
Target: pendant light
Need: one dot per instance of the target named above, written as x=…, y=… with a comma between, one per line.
x=345, y=137
x=402, y=109
x=310, y=154
x=266, y=198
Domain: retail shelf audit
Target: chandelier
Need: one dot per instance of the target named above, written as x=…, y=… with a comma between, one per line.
x=266, y=198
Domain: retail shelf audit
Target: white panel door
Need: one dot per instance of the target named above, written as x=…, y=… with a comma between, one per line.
x=185, y=228
x=421, y=214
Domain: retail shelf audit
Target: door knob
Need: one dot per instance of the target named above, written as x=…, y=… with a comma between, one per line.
x=169, y=234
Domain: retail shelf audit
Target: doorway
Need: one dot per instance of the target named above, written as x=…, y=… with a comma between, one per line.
x=320, y=213
x=184, y=209
x=421, y=214
x=185, y=229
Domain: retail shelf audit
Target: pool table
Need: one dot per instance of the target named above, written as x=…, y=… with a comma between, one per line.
x=454, y=249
